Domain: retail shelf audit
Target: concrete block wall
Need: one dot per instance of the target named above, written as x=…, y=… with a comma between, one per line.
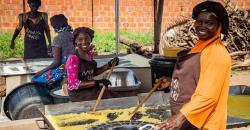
x=135, y=15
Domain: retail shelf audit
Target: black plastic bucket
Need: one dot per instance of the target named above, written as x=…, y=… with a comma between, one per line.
x=23, y=102
x=161, y=66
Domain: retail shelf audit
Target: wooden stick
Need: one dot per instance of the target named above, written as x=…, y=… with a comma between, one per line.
x=99, y=98
x=24, y=9
x=103, y=89
x=145, y=99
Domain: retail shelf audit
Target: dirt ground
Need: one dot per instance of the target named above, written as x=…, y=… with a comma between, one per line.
x=240, y=78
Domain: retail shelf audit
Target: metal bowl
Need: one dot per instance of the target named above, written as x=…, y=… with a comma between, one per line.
x=23, y=101
x=123, y=79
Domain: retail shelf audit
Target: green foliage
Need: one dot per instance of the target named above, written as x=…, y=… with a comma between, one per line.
x=5, y=51
x=104, y=41
x=145, y=38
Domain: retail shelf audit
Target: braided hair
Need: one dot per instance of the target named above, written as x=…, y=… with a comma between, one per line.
x=215, y=8
x=86, y=30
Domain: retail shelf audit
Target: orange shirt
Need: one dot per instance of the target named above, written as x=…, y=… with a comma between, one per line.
x=208, y=105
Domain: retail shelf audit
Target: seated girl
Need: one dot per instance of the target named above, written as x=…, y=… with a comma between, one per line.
x=62, y=47
x=81, y=68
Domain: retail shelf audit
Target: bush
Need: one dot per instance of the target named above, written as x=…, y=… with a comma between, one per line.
x=5, y=51
x=104, y=41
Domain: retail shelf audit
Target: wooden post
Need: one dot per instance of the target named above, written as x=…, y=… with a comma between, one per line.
x=155, y=21
x=158, y=26
x=24, y=9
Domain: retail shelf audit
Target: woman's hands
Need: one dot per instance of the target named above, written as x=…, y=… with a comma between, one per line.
x=12, y=44
x=114, y=60
x=172, y=122
x=165, y=82
x=101, y=82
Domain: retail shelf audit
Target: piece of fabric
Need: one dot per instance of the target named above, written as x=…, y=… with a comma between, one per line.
x=183, y=77
x=53, y=75
x=208, y=105
x=64, y=41
x=22, y=19
x=64, y=28
x=90, y=55
x=72, y=70
x=187, y=126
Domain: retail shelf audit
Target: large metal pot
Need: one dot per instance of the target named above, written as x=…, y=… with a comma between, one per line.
x=23, y=101
x=123, y=80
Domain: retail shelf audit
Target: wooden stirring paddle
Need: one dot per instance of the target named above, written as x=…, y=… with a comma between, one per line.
x=103, y=89
x=145, y=99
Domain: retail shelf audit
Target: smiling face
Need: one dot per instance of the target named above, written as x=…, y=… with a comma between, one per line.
x=83, y=41
x=206, y=25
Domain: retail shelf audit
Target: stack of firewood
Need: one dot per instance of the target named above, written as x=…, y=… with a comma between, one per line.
x=182, y=34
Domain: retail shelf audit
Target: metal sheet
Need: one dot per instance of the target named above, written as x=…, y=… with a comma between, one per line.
x=18, y=67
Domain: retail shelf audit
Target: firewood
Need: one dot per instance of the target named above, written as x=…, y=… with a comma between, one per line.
x=237, y=41
x=137, y=47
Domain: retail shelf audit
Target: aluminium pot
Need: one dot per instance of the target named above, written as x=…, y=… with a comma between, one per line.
x=59, y=96
x=23, y=102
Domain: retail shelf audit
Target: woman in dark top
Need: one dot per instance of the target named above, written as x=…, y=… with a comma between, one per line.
x=81, y=68
x=35, y=24
x=62, y=48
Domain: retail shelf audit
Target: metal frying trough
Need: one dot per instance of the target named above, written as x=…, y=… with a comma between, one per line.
x=123, y=79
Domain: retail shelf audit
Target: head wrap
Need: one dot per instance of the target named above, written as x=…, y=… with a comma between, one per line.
x=217, y=10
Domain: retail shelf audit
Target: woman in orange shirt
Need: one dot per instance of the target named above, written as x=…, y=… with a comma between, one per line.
x=200, y=82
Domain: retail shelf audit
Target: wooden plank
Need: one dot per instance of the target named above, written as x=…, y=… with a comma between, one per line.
x=26, y=124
